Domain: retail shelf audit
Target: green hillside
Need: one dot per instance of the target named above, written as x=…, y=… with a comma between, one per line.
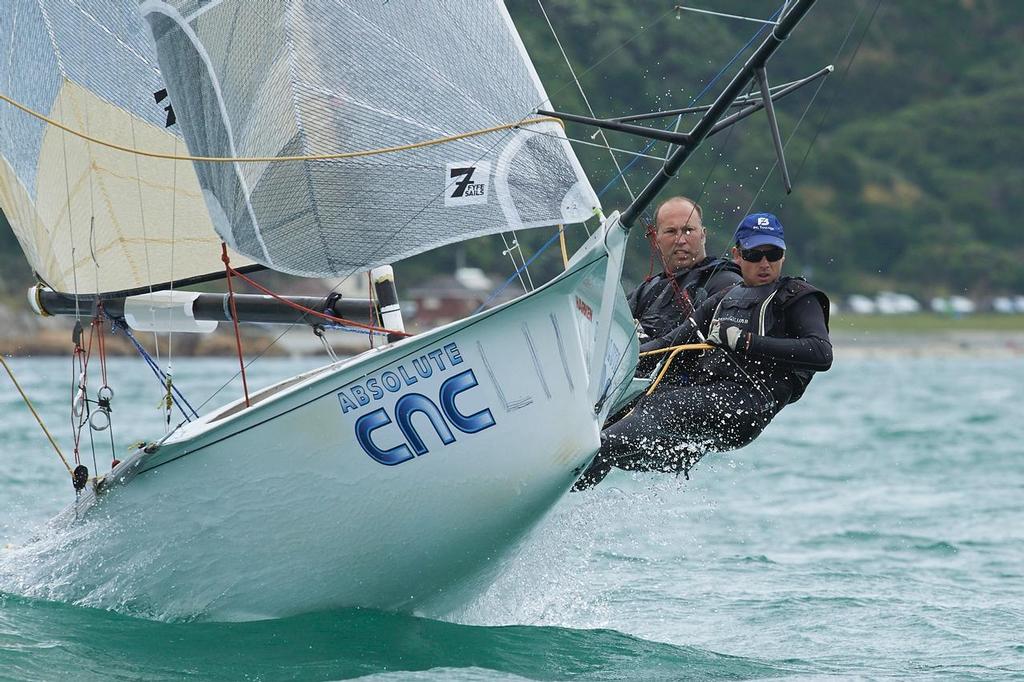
x=913, y=181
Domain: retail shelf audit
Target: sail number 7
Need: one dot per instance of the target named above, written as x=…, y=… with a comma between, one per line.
x=466, y=183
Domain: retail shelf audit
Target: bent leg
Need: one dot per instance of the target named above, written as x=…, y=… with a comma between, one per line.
x=670, y=430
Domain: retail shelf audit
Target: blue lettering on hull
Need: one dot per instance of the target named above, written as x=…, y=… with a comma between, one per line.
x=377, y=429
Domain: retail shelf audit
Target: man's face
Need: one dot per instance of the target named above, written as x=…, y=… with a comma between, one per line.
x=763, y=271
x=680, y=236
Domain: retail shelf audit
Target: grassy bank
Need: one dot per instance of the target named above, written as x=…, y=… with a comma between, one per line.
x=925, y=323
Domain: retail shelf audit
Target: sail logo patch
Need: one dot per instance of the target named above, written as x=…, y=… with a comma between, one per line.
x=466, y=184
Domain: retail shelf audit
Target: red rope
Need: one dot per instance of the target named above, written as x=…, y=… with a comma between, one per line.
x=681, y=297
x=310, y=311
x=234, y=319
x=369, y=298
x=98, y=322
x=81, y=355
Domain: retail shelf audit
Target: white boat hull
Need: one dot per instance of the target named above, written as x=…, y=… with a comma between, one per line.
x=395, y=480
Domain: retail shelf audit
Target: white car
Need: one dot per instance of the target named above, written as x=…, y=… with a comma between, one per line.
x=892, y=303
x=862, y=305
x=1003, y=304
x=961, y=305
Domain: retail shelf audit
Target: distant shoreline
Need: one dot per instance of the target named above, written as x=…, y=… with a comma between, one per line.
x=959, y=344
x=22, y=334
x=846, y=344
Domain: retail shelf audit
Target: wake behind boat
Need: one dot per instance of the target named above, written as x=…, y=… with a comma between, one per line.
x=395, y=479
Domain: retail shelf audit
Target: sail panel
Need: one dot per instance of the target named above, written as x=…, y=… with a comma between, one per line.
x=89, y=218
x=277, y=78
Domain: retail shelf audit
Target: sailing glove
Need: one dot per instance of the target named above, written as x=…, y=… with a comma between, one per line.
x=729, y=337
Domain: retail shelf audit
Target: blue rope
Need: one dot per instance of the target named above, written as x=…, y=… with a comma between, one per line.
x=516, y=273
x=159, y=374
x=693, y=101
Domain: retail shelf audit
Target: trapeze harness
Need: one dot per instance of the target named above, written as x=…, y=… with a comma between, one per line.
x=764, y=312
x=659, y=312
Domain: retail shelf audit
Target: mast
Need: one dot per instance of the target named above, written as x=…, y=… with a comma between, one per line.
x=721, y=105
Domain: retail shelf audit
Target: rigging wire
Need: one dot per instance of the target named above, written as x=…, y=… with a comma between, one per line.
x=144, y=354
x=410, y=221
x=631, y=152
x=814, y=138
x=817, y=90
x=842, y=80
x=234, y=320
x=583, y=94
x=145, y=239
x=509, y=252
x=676, y=290
x=711, y=83
x=32, y=409
x=174, y=225
x=679, y=8
x=71, y=228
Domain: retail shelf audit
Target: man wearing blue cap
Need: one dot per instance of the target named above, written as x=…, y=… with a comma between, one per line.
x=771, y=334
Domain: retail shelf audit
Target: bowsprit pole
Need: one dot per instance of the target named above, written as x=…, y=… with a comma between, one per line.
x=718, y=109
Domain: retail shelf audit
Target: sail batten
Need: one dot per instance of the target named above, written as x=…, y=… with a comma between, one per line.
x=280, y=78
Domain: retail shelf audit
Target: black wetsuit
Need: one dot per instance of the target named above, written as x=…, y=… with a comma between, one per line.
x=731, y=395
x=660, y=307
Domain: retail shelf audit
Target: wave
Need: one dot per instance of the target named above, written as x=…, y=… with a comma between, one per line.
x=337, y=644
x=888, y=541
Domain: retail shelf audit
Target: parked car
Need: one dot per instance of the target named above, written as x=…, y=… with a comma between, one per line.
x=954, y=305
x=893, y=303
x=1004, y=305
x=862, y=305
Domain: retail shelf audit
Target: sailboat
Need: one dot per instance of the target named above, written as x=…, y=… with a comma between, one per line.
x=157, y=143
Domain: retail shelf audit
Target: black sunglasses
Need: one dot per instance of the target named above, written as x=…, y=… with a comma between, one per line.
x=773, y=254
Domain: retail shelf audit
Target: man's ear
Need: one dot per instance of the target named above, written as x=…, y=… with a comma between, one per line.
x=735, y=255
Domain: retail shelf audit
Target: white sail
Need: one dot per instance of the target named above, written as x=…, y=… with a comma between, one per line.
x=274, y=78
x=90, y=218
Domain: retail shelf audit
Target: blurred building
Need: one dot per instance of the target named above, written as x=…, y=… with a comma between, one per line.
x=446, y=298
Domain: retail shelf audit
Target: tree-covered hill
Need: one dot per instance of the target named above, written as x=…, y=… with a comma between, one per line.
x=907, y=163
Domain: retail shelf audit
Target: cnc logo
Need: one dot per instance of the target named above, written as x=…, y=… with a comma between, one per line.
x=387, y=434
x=466, y=183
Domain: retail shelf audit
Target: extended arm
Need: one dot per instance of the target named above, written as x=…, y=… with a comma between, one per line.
x=687, y=330
x=811, y=347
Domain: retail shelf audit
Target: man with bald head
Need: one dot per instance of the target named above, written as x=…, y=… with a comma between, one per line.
x=689, y=277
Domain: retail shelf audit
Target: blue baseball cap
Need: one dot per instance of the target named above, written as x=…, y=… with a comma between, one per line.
x=758, y=229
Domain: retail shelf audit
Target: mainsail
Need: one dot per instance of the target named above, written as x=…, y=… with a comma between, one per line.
x=266, y=79
x=89, y=218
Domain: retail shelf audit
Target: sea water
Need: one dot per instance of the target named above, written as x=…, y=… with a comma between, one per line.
x=875, y=530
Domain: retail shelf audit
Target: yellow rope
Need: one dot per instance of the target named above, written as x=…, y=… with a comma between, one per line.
x=34, y=413
x=267, y=159
x=675, y=350
x=685, y=346
x=561, y=242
